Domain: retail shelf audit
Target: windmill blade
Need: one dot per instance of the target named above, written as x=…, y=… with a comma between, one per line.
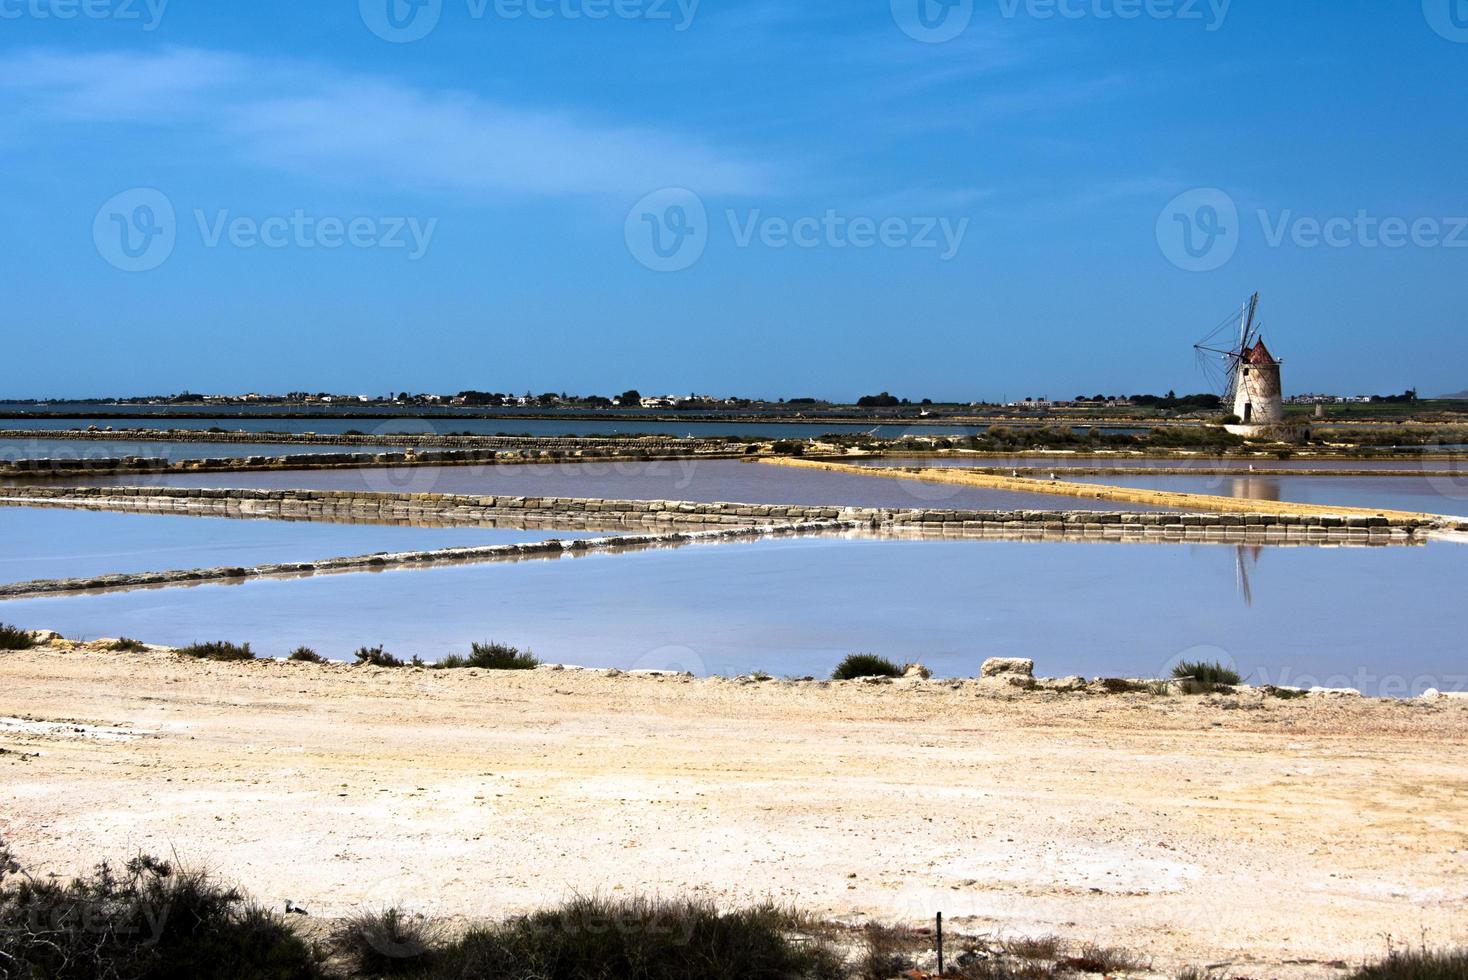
x=1216, y=369
x=1250, y=334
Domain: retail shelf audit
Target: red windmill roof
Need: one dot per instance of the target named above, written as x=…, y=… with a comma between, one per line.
x=1259, y=354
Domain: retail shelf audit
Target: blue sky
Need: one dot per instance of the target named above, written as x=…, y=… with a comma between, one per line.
x=1003, y=198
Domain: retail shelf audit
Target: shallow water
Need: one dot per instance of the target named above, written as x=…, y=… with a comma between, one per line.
x=1385, y=620
x=704, y=480
x=1432, y=495
x=44, y=543
x=74, y=449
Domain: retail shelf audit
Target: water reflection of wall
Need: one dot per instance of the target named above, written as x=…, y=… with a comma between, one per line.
x=1255, y=488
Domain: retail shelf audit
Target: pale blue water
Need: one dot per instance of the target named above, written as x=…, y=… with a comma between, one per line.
x=1385, y=620
x=79, y=449
x=1431, y=495
x=43, y=543
x=704, y=480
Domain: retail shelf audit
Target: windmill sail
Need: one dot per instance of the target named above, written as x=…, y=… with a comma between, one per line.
x=1221, y=357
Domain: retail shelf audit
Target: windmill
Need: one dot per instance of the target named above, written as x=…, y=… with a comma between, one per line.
x=1248, y=372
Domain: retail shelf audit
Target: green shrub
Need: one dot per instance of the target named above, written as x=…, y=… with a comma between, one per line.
x=219, y=650
x=145, y=921
x=378, y=657
x=594, y=938
x=491, y=656
x=125, y=645
x=1417, y=965
x=305, y=655
x=865, y=665
x=1200, y=677
x=12, y=638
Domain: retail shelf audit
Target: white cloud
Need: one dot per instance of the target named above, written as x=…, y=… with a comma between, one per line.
x=302, y=118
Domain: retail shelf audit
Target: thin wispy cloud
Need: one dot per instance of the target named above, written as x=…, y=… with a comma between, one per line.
x=335, y=126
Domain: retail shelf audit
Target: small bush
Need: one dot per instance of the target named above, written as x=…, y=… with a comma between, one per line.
x=491, y=656
x=1417, y=965
x=126, y=645
x=1205, y=678
x=865, y=665
x=1206, y=673
x=378, y=657
x=1101, y=959
x=12, y=638
x=391, y=943
x=1034, y=947
x=305, y=655
x=1120, y=685
x=887, y=951
x=147, y=920
x=219, y=650
x=641, y=938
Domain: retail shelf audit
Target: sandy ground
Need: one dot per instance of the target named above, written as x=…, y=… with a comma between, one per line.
x=1195, y=830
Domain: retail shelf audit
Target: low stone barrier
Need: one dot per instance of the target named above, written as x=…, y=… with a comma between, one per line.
x=141, y=465
x=465, y=509
x=640, y=443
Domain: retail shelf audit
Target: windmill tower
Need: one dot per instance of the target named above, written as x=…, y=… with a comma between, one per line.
x=1253, y=379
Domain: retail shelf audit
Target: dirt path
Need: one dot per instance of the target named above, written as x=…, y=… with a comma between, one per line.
x=1260, y=832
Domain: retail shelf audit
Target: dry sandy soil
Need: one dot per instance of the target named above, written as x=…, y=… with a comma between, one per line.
x=1196, y=830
